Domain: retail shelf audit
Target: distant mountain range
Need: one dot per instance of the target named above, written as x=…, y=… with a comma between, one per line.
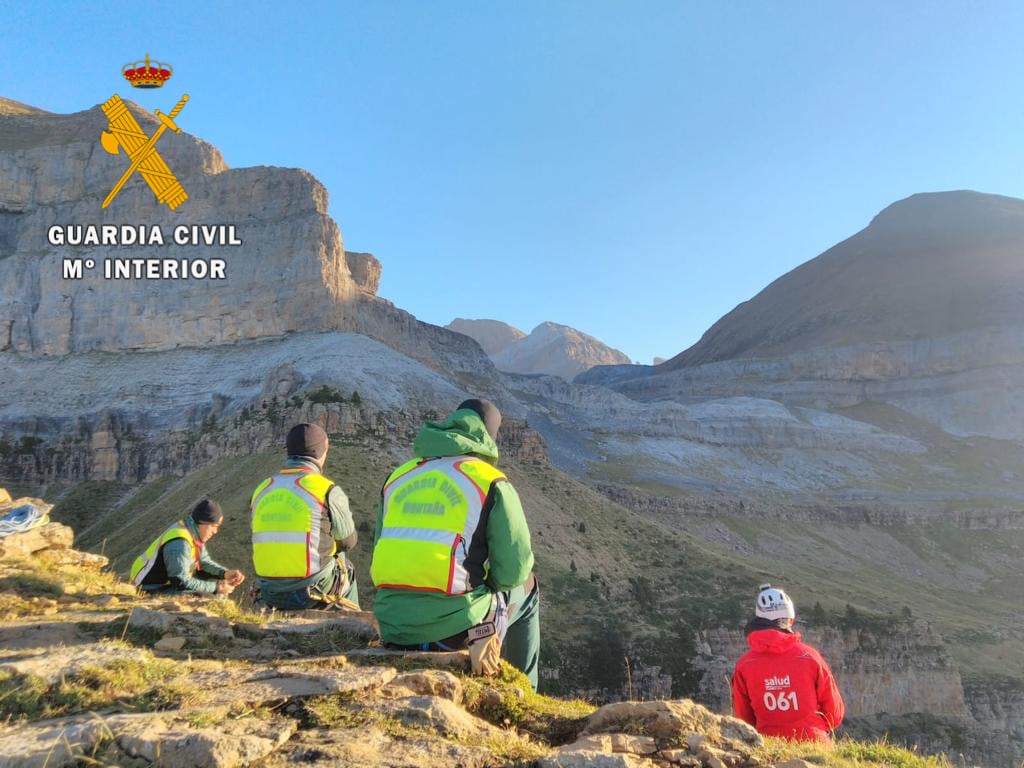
x=557, y=350
x=854, y=432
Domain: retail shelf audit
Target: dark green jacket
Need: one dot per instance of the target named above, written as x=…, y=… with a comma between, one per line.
x=181, y=573
x=407, y=617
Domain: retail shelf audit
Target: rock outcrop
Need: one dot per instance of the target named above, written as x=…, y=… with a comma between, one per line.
x=556, y=350
x=53, y=172
x=493, y=335
x=552, y=349
x=906, y=670
x=920, y=311
x=228, y=692
x=365, y=270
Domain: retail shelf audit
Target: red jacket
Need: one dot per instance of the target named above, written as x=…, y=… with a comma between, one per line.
x=784, y=688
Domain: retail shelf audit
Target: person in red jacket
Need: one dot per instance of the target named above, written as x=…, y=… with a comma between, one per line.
x=782, y=686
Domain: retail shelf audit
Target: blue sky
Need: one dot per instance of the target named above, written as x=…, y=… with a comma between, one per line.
x=633, y=169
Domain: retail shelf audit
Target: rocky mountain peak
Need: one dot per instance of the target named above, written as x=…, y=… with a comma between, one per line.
x=925, y=267
x=961, y=214
x=550, y=348
x=12, y=107
x=492, y=335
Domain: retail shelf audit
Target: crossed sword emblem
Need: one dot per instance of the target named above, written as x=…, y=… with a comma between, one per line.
x=125, y=133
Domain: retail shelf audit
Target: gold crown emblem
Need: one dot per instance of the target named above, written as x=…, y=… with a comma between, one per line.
x=142, y=74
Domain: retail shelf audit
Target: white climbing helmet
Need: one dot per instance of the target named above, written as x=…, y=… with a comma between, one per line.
x=774, y=604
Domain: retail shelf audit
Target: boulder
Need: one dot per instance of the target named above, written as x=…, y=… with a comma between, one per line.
x=370, y=746
x=587, y=759
x=242, y=686
x=635, y=745
x=430, y=682
x=440, y=715
x=27, y=543
x=680, y=757
x=155, y=737
x=56, y=743
x=53, y=663
x=672, y=719
x=228, y=744
x=182, y=621
x=169, y=643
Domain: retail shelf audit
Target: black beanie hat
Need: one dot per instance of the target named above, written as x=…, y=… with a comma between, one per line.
x=207, y=511
x=487, y=411
x=306, y=440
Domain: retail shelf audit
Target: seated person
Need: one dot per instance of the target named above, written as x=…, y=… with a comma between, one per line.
x=452, y=559
x=301, y=528
x=177, y=561
x=783, y=687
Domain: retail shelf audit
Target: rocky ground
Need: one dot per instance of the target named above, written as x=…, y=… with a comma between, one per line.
x=93, y=674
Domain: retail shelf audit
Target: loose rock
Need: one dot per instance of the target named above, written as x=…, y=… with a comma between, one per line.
x=432, y=682
x=169, y=643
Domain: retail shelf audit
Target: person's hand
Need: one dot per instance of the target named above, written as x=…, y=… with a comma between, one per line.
x=224, y=588
x=234, y=577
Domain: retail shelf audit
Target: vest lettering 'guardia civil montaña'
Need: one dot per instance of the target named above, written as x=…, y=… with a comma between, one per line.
x=144, y=563
x=291, y=534
x=432, y=508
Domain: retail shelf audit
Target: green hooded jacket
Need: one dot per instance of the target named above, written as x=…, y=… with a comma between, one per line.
x=408, y=617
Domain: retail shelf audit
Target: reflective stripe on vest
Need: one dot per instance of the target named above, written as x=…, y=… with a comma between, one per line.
x=431, y=511
x=290, y=530
x=144, y=563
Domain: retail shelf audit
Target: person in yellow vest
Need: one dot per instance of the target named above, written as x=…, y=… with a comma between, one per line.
x=452, y=560
x=301, y=528
x=179, y=561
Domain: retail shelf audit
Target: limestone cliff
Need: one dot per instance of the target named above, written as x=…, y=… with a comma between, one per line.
x=908, y=670
x=290, y=274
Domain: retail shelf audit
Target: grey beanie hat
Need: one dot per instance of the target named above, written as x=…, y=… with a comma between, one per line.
x=487, y=411
x=306, y=440
x=207, y=511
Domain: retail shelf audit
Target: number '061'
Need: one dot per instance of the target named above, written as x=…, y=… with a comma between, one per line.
x=783, y=702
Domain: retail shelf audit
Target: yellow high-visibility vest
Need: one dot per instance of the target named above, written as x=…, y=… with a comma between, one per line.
x=291, y=528
x=144, y=563
x=431, y=510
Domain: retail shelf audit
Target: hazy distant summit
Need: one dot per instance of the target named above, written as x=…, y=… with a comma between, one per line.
x=927, y=266
x=492, y=335
x=920, y=311
x=554, y=349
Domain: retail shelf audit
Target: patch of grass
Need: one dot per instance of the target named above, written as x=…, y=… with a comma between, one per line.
x=14, y=606
x=352, y=712
x=29, y=587
x=127, y=685
x=86, y=501
x=551, y=720
x=234, y=612
x=28, y=584
x=348, y=711
x=519, y=750
x=847, y=753
x=324, y=642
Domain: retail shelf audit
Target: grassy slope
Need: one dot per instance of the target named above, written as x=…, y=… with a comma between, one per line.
x=530, y=724
x=630, y=574
x=646, y=582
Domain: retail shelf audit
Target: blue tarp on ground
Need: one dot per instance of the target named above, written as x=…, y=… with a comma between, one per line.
x=23, y=518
